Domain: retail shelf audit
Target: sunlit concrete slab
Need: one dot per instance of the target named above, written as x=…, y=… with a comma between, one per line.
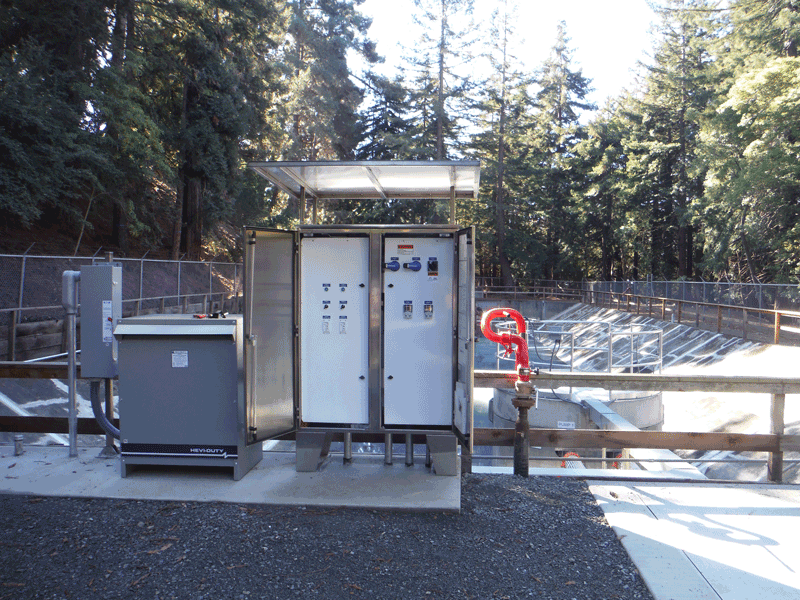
x=704, y=540
x=365, y=483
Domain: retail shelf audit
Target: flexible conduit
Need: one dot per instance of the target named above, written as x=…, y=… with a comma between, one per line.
x=97, y=409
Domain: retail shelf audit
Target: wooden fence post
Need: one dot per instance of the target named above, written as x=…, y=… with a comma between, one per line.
x=777, y=327
x=744, y=323
x=680, y=310
x=775, y=461
x=12, y=335
x=719, y=319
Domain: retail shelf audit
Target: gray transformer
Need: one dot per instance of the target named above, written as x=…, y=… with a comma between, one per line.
x=181, y=386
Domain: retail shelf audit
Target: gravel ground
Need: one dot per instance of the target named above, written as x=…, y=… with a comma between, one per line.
x=515, y=538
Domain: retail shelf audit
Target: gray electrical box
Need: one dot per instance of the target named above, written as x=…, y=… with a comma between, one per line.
x=181, y=389
x=101, y=308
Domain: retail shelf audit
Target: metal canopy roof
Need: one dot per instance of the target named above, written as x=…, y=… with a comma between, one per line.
x=373, y=180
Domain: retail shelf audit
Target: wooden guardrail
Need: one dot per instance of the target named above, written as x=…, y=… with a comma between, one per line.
x=776, y=442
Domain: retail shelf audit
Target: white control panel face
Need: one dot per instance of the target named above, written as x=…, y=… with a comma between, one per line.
x=334, y=297
x=418, y=330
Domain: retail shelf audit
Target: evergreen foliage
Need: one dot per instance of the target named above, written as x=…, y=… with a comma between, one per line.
x=132, y=120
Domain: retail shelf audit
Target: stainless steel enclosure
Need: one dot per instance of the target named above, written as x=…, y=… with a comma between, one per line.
x=362, y=328
x=361, y=346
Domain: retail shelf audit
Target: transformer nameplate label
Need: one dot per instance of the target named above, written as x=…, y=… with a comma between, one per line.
x=180, y=359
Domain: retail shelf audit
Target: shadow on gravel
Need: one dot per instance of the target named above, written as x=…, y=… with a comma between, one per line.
x=515, y=538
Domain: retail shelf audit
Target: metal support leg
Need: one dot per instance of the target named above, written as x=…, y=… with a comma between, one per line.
x=443, y=454
x=348, y=448
x=387, y=453
x=427, y=456
x=409, y=450
x=313, y=448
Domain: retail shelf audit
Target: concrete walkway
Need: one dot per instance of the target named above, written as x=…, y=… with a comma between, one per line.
x=365, y=483
x=698, y=541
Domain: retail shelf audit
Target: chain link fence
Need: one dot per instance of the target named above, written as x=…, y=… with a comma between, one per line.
x=30, y=286
x=767, y=296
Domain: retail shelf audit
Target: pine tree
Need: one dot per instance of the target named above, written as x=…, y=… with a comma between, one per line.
x=751, y=218
x=555, y=134
x=438, y=76
x=663, y=163
x=503, y=108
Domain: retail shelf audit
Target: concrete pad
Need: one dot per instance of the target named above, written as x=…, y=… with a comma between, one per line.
x=705, y=540
x=364, y=483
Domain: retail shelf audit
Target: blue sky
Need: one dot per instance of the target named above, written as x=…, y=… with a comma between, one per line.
x=608, y=37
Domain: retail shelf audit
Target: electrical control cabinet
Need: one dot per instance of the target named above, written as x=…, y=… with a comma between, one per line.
x=375, y=323
x=334, y=306
x=101, y=308
x=418, y=340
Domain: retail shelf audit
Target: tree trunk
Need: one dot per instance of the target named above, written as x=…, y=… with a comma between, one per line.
x=746, y=247
x=440, y=95
x=123, y=11
x=192, y=217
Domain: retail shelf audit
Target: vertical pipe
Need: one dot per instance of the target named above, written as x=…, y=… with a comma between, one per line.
x=69, y=300
x=610, y=347
x=315, y=213
x=631, y=348
x=775, y=461
x=522, y=442
x=301, y=217
x=387, y=451
x=141, y=284
x=348, y=447
x=178, y=301
x=409, y=450
x=660, y=350
x=452, y=205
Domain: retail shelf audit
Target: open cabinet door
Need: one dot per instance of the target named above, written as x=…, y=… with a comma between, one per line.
x=462, y=398
x=269, y=333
